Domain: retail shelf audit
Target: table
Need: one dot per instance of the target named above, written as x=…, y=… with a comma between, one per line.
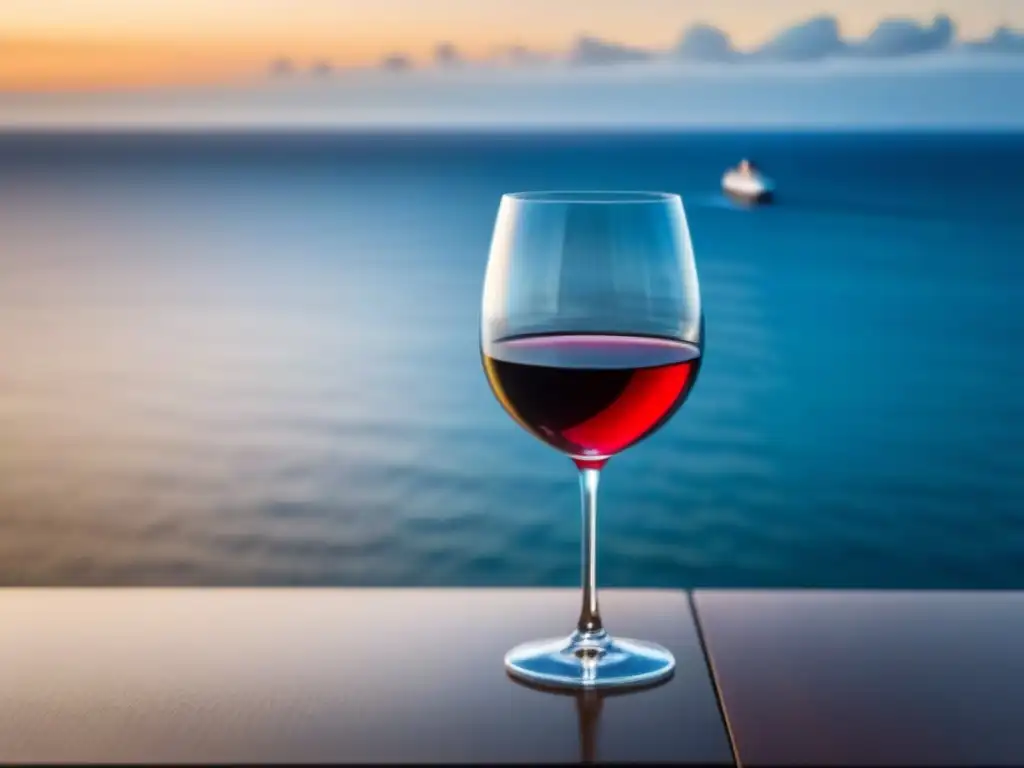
x=843, y=678
x=256, y=676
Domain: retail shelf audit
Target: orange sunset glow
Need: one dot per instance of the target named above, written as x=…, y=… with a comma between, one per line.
x=47, y=63
x=54, y=63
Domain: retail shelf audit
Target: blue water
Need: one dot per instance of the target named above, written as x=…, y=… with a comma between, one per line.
x=253, y=360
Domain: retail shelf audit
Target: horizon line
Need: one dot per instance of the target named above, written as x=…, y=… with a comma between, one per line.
x=380, y=128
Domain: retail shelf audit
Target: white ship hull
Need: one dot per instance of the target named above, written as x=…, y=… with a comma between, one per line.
x=749, y=188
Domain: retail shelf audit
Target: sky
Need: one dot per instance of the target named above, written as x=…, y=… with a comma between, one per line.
x=332, y=62
x=101, y=44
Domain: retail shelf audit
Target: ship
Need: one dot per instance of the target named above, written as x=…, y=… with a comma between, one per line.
x=747, y=185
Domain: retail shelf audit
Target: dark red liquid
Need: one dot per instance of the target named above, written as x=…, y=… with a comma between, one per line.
x=591, y=396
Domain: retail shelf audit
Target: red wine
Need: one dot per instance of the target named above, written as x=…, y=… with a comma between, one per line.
x=591, y=396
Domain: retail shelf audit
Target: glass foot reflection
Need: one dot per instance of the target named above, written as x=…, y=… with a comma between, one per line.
x=590, y=660
x=589, y=706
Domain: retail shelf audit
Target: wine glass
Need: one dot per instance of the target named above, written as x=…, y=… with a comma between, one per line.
x=591, y=338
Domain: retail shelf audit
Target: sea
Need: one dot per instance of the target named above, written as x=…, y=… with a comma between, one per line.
x=253, y=359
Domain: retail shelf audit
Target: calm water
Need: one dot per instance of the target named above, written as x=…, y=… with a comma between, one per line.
x=253, y=360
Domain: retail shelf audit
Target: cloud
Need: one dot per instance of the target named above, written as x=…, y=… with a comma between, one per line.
x=321, y=68
x=815, y=38
x=281, y=67
x=396, y=62
x=447, y=55
x=592, y=50
x=905, y=37
x=1002, y=40
x=703, y=42
x=820, y=38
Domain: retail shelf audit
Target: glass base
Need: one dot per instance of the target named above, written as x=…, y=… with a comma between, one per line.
x=592, y=660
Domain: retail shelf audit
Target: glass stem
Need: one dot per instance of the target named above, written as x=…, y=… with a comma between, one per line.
x=590, y=615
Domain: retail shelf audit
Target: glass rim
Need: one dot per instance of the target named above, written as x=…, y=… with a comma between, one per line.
x=592, y=197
